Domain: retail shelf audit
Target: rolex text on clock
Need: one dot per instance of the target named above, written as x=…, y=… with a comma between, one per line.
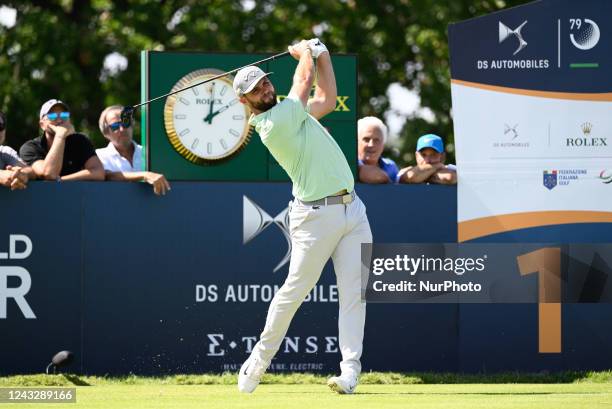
x=207, y=123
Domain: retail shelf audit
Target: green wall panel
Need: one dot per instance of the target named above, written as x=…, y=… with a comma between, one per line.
x=162, y=70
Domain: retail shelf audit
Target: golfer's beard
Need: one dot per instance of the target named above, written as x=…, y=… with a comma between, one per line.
x=264, y=106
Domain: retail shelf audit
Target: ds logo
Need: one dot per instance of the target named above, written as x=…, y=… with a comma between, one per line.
x=19, y=292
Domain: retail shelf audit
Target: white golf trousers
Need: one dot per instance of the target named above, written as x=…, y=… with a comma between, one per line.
x=318, y=233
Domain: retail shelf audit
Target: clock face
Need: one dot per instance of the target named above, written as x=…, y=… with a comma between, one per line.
x=206, y=123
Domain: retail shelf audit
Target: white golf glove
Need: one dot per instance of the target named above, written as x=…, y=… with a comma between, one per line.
x=317, y=47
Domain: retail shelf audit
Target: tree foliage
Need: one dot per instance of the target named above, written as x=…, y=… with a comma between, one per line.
x=57, y=49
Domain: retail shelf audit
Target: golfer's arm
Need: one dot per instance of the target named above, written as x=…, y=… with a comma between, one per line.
x=324, y=100
x=303, y=77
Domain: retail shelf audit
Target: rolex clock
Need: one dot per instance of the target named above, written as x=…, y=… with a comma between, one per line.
x=206, y=124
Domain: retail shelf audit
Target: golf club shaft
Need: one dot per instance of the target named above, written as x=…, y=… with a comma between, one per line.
x=211, y=79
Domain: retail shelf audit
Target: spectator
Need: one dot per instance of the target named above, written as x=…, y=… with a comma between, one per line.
x=60, y=153
x=430, y=167
x=371, y=138
x=14, y=174
x=122, y=158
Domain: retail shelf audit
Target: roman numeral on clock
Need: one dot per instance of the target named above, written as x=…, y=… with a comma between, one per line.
x=195, y=144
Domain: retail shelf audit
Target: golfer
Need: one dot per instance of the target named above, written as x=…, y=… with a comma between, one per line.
x=326, y=218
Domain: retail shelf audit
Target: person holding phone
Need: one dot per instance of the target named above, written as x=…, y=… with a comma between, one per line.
x=61, y=153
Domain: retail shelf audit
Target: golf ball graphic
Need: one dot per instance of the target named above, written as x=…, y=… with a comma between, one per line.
x=587, y=36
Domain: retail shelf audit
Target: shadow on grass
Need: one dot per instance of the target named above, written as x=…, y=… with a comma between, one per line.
x=432, y=378
x=75, y=380
x=449, y=393
x=367, y=378
x=481, y=393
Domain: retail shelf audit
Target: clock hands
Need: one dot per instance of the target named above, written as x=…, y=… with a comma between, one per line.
x=211, y=115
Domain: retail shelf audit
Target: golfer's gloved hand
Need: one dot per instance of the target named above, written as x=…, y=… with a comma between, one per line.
x=317, y=47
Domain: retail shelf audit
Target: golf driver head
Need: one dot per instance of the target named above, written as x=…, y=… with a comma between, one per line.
x=127, y=115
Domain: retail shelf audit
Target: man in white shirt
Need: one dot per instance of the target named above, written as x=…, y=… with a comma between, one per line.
x=122, y=158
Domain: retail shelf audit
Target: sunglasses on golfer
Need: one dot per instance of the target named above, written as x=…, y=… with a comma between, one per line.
x=52, y=116
x=116, y=125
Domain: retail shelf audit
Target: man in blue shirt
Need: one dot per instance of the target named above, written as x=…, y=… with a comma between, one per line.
x=430, y=167
x=371, y=138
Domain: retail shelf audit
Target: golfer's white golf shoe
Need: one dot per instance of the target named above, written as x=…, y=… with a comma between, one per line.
x=343, y=384
x=250, y=374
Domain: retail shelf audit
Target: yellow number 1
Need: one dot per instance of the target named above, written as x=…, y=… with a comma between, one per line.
x=547, y=263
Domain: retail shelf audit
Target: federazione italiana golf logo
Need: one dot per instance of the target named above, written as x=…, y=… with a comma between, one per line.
x=562, y=177
x=550, y=179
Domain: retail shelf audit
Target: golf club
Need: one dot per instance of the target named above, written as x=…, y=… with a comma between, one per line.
x=128, y=111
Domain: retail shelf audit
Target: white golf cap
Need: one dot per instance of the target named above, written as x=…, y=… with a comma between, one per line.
x=247, y=78
x=44, y=110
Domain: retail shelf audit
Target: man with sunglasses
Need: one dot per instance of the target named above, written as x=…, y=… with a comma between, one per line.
x=60, y=153
x=123, y=158
x=14, y=174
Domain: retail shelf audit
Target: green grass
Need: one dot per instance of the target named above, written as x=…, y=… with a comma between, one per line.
x=367, y=378
x=377, y=390
x=458, y=396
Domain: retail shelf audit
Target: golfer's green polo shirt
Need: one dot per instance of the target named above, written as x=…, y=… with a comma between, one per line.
x=303, y=147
